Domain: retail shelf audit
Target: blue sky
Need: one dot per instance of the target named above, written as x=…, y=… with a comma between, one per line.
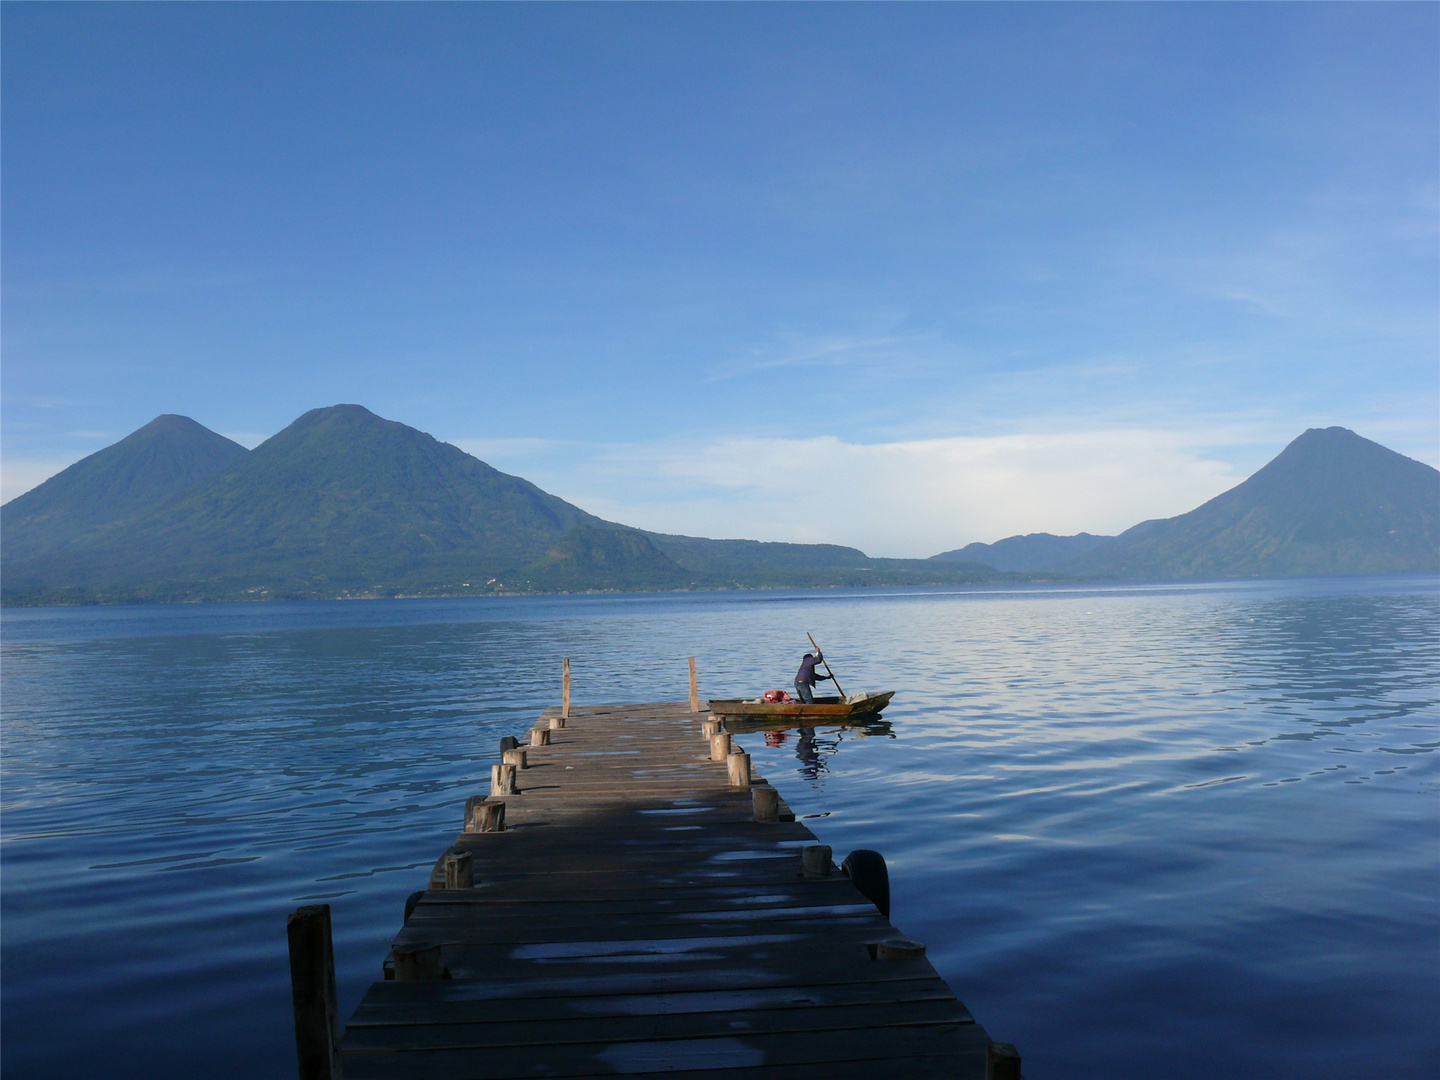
x=896, y=276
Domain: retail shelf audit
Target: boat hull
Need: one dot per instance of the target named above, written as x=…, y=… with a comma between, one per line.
x=832, y=709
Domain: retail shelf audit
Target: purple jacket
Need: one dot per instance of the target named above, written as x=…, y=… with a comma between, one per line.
x=807, y=671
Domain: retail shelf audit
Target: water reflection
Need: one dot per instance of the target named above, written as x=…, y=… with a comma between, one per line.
x=1189, y=827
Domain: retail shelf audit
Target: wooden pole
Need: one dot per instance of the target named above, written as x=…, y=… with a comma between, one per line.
x=557, y=723
x=565, y=692
x=720, y=746
x=514, y=757
x=486, y=817
x=694, y=689
x=312, y=991
x=710, y=727
x=418, y=963
x=508, y=742
x=1002, y=1062
x=815, y=860
x=739, y=766
x=767, y=803
x=827, y=668
x=540, y=736
x=502, y=780
x=459, y=871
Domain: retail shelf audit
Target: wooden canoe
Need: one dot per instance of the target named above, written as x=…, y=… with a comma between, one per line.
x=824, y=708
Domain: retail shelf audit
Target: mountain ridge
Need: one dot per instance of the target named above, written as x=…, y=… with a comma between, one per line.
x=1331, y=502
x=346, y=503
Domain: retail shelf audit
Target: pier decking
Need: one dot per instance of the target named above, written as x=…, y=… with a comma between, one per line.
x=634, y=917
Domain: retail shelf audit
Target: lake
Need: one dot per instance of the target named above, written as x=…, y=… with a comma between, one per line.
x=1150, y=831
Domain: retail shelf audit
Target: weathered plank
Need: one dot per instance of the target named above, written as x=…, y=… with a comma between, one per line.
x=634, y=917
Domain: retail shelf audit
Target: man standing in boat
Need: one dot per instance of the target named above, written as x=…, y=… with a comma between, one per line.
x=805, y=678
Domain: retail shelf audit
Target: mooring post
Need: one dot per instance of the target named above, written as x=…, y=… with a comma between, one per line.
x=417, y=963
x=539, y=736
x=720, y=746
x=459, y=871
x=694, y=688
x=815, y=860
x=508, y=742
x=485, y=817
x=312, y=990
x=514, y=757
x=710, y=727
x=565, y=692
x=1002, y=1062
x=767, y=803
x=557, y=723
x=502, y=780
x=739, y=765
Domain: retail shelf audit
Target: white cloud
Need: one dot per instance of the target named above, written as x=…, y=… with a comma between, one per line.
x=906, y=498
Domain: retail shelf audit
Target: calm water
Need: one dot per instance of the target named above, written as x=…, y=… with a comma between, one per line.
x=1193, y=832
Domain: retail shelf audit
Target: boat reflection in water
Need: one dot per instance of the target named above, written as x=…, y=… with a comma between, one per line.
x=813, y=746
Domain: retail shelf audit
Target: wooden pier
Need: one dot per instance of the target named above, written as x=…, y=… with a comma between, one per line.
x=649, y=909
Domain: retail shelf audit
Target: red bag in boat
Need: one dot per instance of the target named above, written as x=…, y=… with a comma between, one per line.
x=776, y=697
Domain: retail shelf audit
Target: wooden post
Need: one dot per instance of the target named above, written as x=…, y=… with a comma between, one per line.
x=539, y=736
x=899, y=949
x=719, y=746
x=739, y=765
x=767, y=803
x=486, y=817
x=470, y=804
x=694, y=689
x=502, y=780
x=557, y=723
x=711, y=727
x=312, y=991
x=417, y=963
x=815, y=860
x=508, y=742
x=565, y=693
x=514, y=757
x=459, y=871
x=1002, y=1062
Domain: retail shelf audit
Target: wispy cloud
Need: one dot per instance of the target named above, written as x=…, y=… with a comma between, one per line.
x=903, y=498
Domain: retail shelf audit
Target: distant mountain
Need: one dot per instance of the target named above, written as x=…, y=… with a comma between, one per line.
x=588, y=558
x=345, y=503
x=124, y=482
x=340, y=502
x=1330, y=503
x=1029, y=553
